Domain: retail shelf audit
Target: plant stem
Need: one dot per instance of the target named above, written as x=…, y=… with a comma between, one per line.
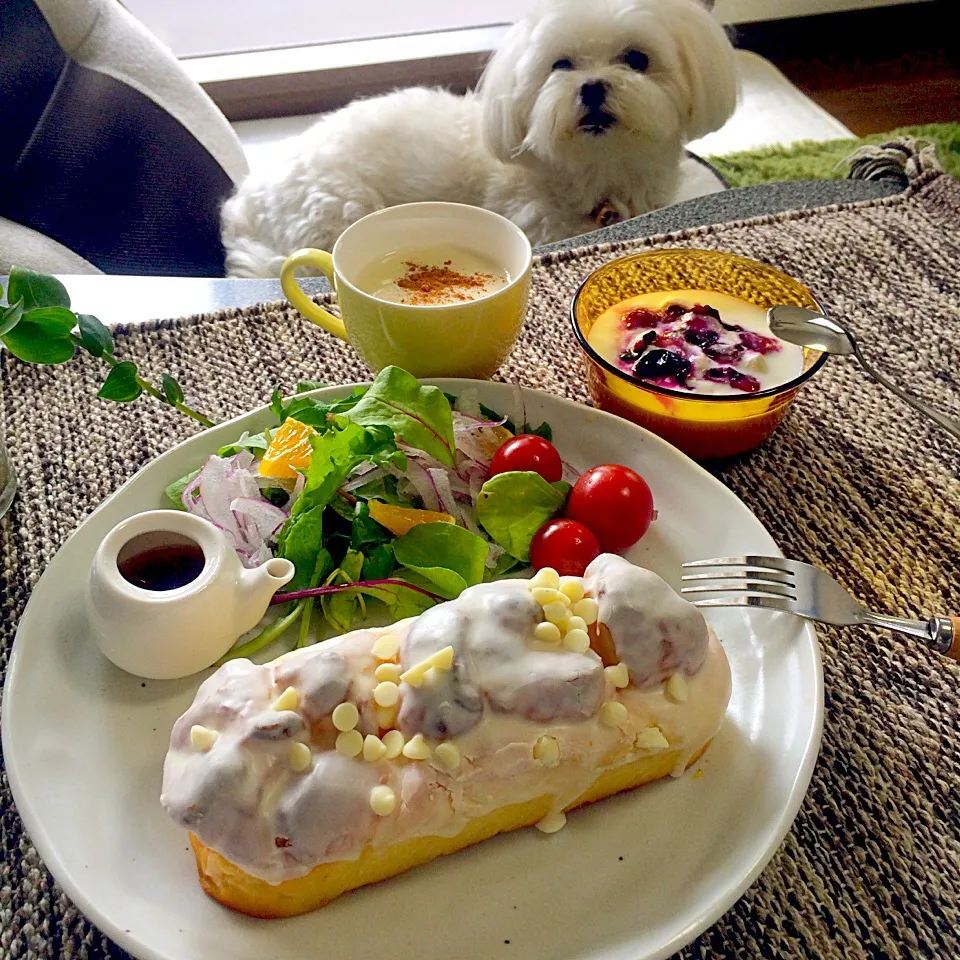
x=265, y=637
x=359, y=584
x=302, y=640
x=153, y=391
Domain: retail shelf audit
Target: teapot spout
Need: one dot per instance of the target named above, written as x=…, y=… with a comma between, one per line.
x=256, y=588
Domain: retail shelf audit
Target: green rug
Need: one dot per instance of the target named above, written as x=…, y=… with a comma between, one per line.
x=815, y=160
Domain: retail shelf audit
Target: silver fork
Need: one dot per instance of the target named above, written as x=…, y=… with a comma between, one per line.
x=802, y=589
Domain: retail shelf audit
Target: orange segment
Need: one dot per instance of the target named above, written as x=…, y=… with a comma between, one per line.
x=398, y=520
x=289, y=450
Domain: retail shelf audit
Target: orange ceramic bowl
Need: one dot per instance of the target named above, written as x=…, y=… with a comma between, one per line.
x=701, y=425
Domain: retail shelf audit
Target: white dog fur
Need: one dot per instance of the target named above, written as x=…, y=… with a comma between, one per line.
x=524, y=144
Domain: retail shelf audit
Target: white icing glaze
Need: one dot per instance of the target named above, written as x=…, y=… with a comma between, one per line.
x=506, y=689
x=655, y=631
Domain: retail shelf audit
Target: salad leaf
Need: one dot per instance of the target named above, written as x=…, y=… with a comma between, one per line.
x=378, y=563
x=256, y=443
x=513, y=506
x=449, y=557
x=419, y=416
x=335, y=454
x=340, y=609
x=310, y=410
x=544, y=430
x=174, y=492
x=364, y=530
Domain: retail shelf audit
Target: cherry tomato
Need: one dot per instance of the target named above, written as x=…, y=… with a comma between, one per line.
x=528, y=452
x=565, y=545
x=615, y=503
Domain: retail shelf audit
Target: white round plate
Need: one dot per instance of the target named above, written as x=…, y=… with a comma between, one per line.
x=636, y=876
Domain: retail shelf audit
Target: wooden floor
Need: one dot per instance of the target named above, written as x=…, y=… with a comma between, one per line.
x=873, y=70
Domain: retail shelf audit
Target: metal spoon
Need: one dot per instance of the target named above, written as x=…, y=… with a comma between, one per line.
x=807, y=328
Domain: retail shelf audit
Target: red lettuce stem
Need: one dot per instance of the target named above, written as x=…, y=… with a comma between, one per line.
x=339, y=587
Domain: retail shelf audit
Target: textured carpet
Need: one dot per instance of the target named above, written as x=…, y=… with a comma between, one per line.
x=817, y=160
x=852, y=481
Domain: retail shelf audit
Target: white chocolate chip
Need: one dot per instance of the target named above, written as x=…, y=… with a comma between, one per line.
x=572, y=588
x=447, y=755
x=386, y=694
x=387, y=671
x=545, y=577
x=288, y=700
x=576, y=623
x=651, y=738
x=677, y=689
x=547, y=751
x=416, y=748
x=345, y=716
x=443, y=659
x=373, y=748
x=349, y=743
x=386, y=717
x=552, y=822
x=613, y=714
x=202, y=738
x=393, y=742
x=547, y=632
x=383, y=800
x=577, y=641
x=299, y=756
x=619, y=675
x=414, y=676
x=557, y=613
x=386, y=647
x=545, y=595
x=588, y=609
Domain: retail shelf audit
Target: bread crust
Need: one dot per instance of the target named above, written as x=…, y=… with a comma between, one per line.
x=239, y=890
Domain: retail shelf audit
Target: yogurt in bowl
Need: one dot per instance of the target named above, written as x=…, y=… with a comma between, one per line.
x=696, y=341
x=677, y=340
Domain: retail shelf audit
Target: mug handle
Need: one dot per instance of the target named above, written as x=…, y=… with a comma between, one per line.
x=323, y=262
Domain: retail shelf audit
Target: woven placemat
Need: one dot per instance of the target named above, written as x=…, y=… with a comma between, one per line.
x=853, y=481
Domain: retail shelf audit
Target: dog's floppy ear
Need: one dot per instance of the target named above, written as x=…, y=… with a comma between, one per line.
x=708, y=64
x=503, y=116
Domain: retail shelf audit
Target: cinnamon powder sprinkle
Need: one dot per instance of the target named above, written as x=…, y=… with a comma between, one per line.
x=432, y=285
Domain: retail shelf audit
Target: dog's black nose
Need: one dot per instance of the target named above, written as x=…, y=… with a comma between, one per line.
x=593, y=94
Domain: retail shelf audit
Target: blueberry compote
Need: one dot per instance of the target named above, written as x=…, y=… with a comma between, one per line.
x=695, y=341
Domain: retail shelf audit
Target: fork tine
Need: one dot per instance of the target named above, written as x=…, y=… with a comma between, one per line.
x=755, y=587
x=766, y=576
x=770, y=603
x=765, y=563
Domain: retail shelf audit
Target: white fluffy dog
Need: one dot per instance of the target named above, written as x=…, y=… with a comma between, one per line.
x=580, y=119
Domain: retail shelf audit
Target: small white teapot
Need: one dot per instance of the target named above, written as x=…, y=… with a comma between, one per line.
x=168, y=595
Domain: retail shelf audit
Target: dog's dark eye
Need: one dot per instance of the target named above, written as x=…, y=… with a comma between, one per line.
x=636, y=60
x=564, y=63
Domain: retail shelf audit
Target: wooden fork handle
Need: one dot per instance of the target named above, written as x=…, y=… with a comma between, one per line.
x=954, y=649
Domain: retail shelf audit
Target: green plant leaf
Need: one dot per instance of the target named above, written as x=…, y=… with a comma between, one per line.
x=364, y=531
x=10, y=317
x=378, y=563
x=36, y=289
x=95, y=338
x=448, y=556
x=29, y=342
x=305, y=386
x=513, y=506
x=171, y=390
x=53, y=321
x=419, y=416
x=121, y=384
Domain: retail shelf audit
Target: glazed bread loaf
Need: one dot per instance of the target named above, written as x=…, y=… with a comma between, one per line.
x=356, y=759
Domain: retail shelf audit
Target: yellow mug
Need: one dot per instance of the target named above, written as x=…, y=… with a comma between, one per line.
x=469, y=338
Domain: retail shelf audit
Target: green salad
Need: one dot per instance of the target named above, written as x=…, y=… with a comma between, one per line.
x=382, y=498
